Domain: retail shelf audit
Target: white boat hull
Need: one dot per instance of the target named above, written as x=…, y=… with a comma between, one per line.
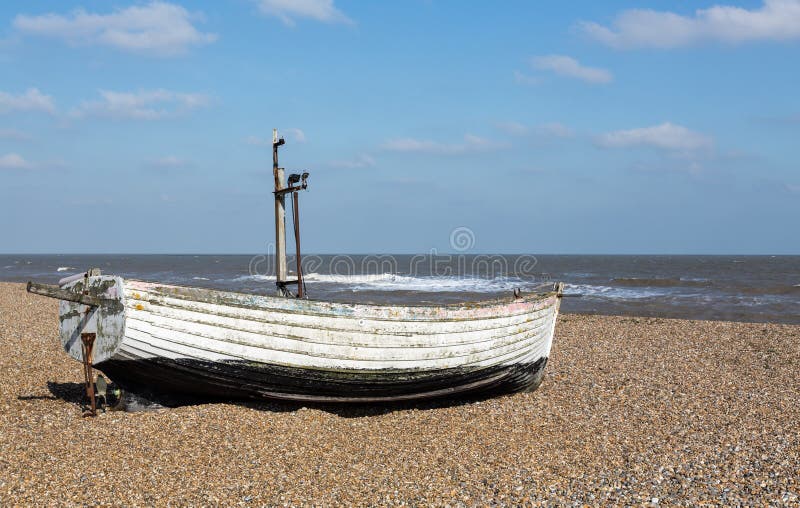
x=191, y=341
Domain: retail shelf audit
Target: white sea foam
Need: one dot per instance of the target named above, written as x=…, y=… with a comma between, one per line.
x=456, y=284
x=591, y=291
x=394, y=282
x=65, y=268
x=199, y=278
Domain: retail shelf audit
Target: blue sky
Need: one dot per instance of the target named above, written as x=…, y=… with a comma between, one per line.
x=581, y=127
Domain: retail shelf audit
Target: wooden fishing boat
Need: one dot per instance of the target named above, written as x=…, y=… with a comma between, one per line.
x=153, y=338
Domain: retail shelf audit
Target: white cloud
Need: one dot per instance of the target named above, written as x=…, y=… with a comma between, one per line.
x=141, y=105
x=666, y=136
x=288, y=10
x=571, y=68
x=360, y=162
x=14, y=134
x=524, y=79
x=555, y=129
x=31, y=100
x=471, y=144
x=158, y=28
x=14, y=161
x=644, y=28
x=513, y=128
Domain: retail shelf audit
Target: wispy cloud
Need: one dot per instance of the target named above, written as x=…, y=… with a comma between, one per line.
x=157, y=28
x=666, y=136
x=361, y=161
x=525, y=79
x=471, y=144
x=141, y=105
x=793, y=188
x=31, y=100
x=555, y=129
x=14, y=134
x=552, y=129
x=289, y=10
x=513, y=128
x=644, y=28
x=571, y=68
x=14, y=161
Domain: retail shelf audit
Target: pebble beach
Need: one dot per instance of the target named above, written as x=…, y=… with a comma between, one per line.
x=632, y=411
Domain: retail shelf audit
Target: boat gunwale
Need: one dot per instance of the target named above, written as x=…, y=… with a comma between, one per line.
x=233, y=295
x=156, y=302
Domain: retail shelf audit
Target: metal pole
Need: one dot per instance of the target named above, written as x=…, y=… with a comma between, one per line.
x=87, y=340
x=296, y=211
x=280, y=217
x=65, y=294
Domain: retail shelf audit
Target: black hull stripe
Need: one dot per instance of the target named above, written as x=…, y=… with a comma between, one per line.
x=233, y=380
x=355, y=377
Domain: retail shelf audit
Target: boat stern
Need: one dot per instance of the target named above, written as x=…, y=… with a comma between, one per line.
x=106, y=319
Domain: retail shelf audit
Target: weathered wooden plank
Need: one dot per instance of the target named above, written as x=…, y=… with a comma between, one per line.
x=256, y=347
x=446, y=312
x=344, y=331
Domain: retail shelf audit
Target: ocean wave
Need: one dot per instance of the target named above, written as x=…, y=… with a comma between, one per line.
x=65, y=268
x=199, y=278
x=351, y=279
x=395, y=282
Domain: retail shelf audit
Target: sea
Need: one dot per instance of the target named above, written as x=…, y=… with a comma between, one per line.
x=733, y=288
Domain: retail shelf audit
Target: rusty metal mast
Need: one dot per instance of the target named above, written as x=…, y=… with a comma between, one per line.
x=296, y=183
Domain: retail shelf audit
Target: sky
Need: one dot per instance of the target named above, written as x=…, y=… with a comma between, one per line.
x=561, y=127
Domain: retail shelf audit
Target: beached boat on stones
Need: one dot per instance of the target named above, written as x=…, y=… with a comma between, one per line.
x=160, y=339
x=155, y=338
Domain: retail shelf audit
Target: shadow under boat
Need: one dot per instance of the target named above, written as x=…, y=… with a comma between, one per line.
x=117, y=399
